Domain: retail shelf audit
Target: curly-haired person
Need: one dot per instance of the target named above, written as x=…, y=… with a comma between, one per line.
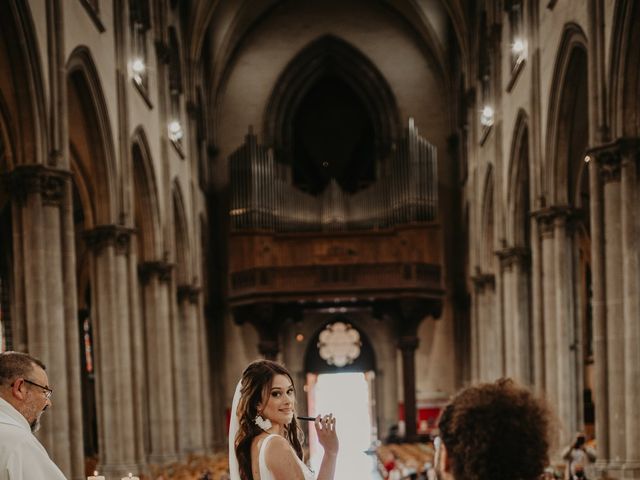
x=496, y=431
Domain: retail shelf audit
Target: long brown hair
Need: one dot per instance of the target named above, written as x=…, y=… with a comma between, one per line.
x=255, y=386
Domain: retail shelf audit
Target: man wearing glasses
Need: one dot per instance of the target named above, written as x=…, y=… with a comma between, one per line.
x=24, y=396
x=496, y=431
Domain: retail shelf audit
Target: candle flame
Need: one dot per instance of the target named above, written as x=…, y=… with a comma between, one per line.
x=95, y=473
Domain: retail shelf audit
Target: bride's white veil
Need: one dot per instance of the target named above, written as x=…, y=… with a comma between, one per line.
x=234, y=425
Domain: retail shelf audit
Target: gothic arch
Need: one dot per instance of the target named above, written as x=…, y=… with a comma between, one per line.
x=90, y=138
x=330, y=55
x=625, y=70
x=22, y=99
x=146, y=204
x=181, y=244
x=487, y=241
x=518, y=188
x=566, y=114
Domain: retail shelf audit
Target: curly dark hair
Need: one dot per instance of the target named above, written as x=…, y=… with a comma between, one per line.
x=496, y=430
x=256, y=383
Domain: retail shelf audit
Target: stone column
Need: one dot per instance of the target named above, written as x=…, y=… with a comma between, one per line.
x=42, y=197
x=408, y=345
x=267, y=319
x=138, y=357
x=630, y=149
x=537, y=317
x=208, y=403
x=72, y=337
x=487, y=357
x=610, y=170
x=546, y=229
x=115, y=389
x=508, y=311
x=564, y=320
x=514, y=262
x=408, y=314
x=192, y=422
x=475, y=331
x=601, y=394
x=155, y=277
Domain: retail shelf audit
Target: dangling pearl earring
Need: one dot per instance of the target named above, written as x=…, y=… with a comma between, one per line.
x=262, y=423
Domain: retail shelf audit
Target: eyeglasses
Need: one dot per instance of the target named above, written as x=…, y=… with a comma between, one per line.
x=47, y=391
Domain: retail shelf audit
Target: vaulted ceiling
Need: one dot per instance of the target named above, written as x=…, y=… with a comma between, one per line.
x=219, y=26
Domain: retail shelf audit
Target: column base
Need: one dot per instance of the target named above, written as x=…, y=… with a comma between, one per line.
x=160, y=459
x=614, y=470
x=118, y=471
x=631, y=470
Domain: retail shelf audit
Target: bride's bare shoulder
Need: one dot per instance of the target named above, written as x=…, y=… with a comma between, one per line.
x=281, y=459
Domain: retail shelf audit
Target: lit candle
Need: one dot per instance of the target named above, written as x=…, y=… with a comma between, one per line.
x=95, y=476
x=130, y=477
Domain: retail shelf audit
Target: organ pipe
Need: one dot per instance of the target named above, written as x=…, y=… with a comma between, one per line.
x=264, y=198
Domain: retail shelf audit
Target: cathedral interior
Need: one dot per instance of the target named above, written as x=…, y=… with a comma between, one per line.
x=409, y=195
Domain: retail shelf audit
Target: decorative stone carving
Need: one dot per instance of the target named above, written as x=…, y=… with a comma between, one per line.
x=50, y=183
x=510, y=256
x=159, y=268
x=547, y=218
x=102, y=236
x=188, y=293
x=610, y=157
x=482, y=280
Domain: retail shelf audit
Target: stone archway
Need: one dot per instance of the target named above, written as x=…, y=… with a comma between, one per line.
x=188, y=333
x=154, y=271
x=330, y=56
x=564, y=228
x=515, y=260
x=340, y=357
x=486, y=326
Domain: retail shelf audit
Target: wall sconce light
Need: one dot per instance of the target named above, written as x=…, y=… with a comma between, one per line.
x=137, y=69
x=587, y=158
x=486, y=119
x=175, y=131
x=519, y=49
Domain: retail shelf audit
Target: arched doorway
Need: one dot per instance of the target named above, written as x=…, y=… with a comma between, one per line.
x=340, y=358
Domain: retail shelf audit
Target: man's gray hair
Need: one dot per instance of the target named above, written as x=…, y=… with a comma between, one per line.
x=15, y=365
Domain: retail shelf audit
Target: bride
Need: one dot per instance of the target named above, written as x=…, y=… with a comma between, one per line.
x=264, y=437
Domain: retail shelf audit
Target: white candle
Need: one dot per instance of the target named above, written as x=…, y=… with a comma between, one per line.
x=95, y=476
x=130, y=477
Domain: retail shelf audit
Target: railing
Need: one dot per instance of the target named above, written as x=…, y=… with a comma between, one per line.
x=263, y=199
x=353, y=278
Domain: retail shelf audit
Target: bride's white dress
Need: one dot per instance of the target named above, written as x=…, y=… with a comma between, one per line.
x=265, y=474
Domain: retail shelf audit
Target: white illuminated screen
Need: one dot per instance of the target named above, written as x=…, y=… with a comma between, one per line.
x=346, y=395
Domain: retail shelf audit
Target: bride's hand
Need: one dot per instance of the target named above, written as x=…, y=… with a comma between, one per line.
x=326, y=430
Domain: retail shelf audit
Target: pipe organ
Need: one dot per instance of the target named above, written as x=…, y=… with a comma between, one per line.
x=264, y=198
x=290, y=252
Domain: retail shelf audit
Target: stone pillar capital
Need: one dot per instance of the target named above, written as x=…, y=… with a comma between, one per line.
x=482, y=280
x=49, y=182
x=610, y=157
x=102, y=236
x=510, y=256
x=408, y=343
x=188, y=293
x=159, y=268
x=549, y=217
